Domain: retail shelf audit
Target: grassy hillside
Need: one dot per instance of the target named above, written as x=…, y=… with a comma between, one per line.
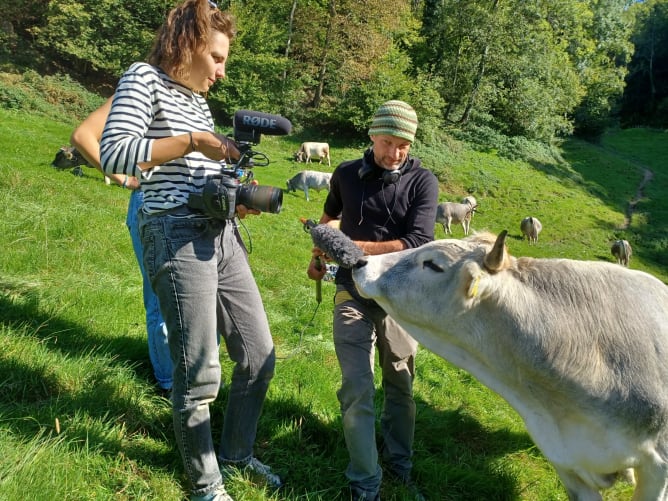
x=78, y=417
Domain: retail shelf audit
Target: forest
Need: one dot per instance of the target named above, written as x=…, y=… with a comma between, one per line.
x=535, y=70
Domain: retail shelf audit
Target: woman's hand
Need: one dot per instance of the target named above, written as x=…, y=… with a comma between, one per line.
x=215, y=146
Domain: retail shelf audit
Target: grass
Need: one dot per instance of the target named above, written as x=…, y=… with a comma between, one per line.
x=79, y=419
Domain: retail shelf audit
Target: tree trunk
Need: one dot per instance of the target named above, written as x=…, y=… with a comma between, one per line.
x=317, y=98
x=478, y=79
x=289, y=41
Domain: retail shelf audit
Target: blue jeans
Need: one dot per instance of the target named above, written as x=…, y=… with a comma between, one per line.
x=158, y=348
x=204, y=284
x=358, y=328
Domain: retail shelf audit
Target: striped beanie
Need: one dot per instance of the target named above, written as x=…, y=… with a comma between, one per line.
x=395, y=118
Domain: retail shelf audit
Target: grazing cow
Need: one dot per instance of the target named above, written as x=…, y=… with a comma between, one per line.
x=622, y=251
x=579, y=349
x=469, y=199
x=68, y=157
x=306, y=179
x=313, y=150
x=531, y=228
x=452, y=212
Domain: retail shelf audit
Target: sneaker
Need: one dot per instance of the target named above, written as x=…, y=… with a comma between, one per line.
x=220, y=494
x=408, y=483
x=257, y=469
x=360, y=495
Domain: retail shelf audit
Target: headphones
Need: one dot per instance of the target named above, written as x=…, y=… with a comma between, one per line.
x=370, y=171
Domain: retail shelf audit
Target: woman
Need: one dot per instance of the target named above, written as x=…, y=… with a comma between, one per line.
x=160, y=128
x=86, y=139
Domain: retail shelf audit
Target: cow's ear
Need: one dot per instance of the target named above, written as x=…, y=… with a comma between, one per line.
x=496, y=259
x=470, y=278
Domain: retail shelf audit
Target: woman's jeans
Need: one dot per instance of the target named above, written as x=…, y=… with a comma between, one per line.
x=204, y=284
x=158, y=348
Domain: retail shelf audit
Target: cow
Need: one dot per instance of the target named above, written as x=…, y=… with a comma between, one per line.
x=68, y=157
x=309, y=179
x=310, y=150
x=452, y=212
x=572, y=346
x=531, y=228
x=622, y=251
x=469, y=199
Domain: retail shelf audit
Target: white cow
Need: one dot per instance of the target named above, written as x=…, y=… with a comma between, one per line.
x=306, y=179
x=622, y=251
x=531, y=228
x=579, y=349
x=448, y=213
x=310, y=150
x=470, y=199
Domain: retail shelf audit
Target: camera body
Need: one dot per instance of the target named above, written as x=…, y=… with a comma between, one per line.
x=223, y=192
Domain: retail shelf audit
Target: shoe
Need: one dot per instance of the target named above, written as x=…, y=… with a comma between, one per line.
x=359, y=495
x=257, y=469
x=413, y=491
x=220, y=494
x=408, y=483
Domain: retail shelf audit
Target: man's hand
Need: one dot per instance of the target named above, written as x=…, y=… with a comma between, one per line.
x=316, y=269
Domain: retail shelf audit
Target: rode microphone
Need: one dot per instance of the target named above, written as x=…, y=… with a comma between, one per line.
x=250, y=125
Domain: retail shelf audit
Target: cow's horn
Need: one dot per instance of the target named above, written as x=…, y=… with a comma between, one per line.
x=495, y=258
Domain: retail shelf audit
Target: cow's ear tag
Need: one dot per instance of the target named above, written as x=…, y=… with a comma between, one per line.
x=473, y=287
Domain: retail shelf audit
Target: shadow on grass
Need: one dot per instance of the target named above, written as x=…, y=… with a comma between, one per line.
x=455, y=458
x=90, y=406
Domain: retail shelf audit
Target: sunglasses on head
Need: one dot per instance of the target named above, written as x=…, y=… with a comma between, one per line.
x=213, y=4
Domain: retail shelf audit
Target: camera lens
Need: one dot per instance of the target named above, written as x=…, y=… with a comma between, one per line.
x=262, y=198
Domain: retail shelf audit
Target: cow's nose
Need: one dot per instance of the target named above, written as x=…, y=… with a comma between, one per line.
x=360, y=264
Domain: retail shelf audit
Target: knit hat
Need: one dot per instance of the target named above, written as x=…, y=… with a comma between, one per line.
x=395, y=118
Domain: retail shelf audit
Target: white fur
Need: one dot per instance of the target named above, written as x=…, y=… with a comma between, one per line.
x=579, y=349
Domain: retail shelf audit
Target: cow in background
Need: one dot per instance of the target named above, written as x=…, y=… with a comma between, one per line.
x=579, y=349
x=622, y=251
x=68, y=157
x=310, y=150
x=309, y=179
x=531, y=228
x=448, y=213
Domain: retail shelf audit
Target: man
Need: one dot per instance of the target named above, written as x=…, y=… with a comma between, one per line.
x=386, y=202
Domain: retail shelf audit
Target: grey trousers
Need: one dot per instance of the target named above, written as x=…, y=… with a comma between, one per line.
x=358, y=328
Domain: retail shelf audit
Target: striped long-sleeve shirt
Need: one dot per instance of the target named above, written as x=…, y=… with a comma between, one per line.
x=149, y=105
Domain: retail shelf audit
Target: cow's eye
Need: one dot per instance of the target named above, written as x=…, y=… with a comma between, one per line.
x=432, y=266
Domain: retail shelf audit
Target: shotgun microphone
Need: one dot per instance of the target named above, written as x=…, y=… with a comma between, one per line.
x=250, y=125
x=337, y=245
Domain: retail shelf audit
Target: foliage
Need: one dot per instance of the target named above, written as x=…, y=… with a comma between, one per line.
x=646, y=98
x=55, y=97
x=535, y=69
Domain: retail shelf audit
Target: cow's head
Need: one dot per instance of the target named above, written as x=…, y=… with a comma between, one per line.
x=423, y=286
x=68, y=157
x=65, y=159
x=299, y=156
x=290, y=187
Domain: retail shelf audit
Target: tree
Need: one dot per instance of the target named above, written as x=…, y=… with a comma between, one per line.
x=646, y=94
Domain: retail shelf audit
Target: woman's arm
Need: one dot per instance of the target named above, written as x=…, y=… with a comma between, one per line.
x=86, y=139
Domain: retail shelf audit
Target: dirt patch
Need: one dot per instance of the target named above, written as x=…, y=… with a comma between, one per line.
x=647, y=177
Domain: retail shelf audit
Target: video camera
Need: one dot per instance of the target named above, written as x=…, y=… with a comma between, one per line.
x=223, y=192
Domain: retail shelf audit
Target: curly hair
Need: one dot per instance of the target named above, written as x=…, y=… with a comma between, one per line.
x=186, y=31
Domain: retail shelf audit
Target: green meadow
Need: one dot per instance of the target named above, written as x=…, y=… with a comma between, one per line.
x=79, y=419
